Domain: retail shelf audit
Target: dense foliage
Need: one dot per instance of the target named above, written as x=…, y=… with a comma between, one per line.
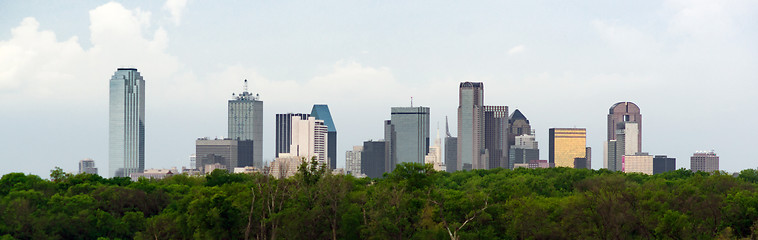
x=413, y=202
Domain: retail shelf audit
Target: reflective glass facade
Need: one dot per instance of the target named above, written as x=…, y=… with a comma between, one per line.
x=411, y=127
x=470, y=125
x=566, y=144
x=321, y=112
x=246, y=123
x=126, y=125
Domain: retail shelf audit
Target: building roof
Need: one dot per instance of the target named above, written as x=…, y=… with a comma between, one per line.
x=518, y=115
x=321, y=112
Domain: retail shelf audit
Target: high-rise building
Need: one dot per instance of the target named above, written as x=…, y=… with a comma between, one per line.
x=625, y=143
x=704, y=161
x=321, y=112
x=309, y=139
x=126, y=133
x=518, y=125
x=284, y=131
x=353, y=161
x=229, y=153
x=373, y=158
x=470, y=126
x=411, y=129
x=451, y=150
x=523, y=151
x=496, y=137
x=435, y=154
x=246, y=122
x=662, y=163
x=193, y=161
x=87, y=165
x=625, y=112
x=566, y=144
x=588, y=154
x=390, y=139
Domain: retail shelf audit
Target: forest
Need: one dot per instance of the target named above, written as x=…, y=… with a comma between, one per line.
x=412, y=202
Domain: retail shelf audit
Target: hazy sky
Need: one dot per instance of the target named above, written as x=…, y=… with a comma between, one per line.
x=691, y=66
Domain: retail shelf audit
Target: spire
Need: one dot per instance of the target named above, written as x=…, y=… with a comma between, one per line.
x=245, y=87
x=447, y=127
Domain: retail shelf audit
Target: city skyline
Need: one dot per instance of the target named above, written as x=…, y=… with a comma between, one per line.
x=668, y=57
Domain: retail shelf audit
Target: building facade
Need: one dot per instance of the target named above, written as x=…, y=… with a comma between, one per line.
x=434, y=157
x=518, y=125
x=353, y=161
x=310, y=139
x=704, y=161
x=283, y=134
x=470, y=126
x=638, y=163
x=566, y=144
x=625, y=143
x=496, y=137
x=663, y=163
x=451, y=150
x=625, y=112
x=373, y=158
x=285, y=165
x=246, y=122
x=411, y=130
x=524, y=150
x=229, y=153
x=126, y=131
x=321, y=112
x=87, y=165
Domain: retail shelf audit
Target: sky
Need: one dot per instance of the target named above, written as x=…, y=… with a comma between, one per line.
x=690, y=66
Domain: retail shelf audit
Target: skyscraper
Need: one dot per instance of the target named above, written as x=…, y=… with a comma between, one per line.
x=470, y=126
x=87, y=165
x=126, y=133
x=411, y=129
x=246, y=122
x=309, y=139
x=625, y=143
x=390, y=139
x=567, y=144
x=451, y=150
x=523, y=151
x=518, y=125
x=496, y=136
x=625, y=112
x=284, y=131
x=321, y=112
x=704, y=161
x=662, y=163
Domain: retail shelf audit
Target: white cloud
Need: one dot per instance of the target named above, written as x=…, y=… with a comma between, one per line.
x=516, y=49
x=175, y=7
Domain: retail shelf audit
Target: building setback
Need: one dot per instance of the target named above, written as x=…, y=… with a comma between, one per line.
x=126, y=125
x=284, y=131
x=309, y=139
x=566, y=144
x=496, y=137
x=470, y=126
x=246, y=122
x=524, y=150
x=704, y=161
x=373, y=158
x=518, y=125
x=321, y=112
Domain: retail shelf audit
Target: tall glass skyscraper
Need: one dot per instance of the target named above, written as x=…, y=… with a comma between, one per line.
x=246, y=122
x=321, y=112
x=411, y=128
x=126, y=133
x=470, y=126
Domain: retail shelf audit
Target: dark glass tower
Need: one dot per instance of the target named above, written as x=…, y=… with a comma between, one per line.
x=321, y=112
x=496, y=136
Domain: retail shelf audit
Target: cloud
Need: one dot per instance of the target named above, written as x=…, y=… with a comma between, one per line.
x=175, y=8
x=516, y=50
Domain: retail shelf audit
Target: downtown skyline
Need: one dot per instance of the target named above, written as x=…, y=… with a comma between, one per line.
x=689, y=105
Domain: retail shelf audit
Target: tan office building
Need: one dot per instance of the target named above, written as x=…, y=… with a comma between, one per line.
x=567, y=144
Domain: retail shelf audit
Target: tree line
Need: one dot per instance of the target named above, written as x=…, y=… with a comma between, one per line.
x=412, y=202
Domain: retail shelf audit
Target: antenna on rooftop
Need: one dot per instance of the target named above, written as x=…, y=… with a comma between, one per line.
x=411, y=101
x=245, y=88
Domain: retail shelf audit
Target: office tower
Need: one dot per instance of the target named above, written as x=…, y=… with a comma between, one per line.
x=373, y=158
x=87, y=165
x=193, y=161
x=588, y=154
x=353, y=161
x=126, y=133
x=704, y=161
x=321, y=112
x=518, y=125
x=229, y=153
x=390, y=139
x=662, y=163
x=625, y=143
x=470, y=125
x=411, y=129
x=625, y=112
x=496, y=137
x=284, y=131
x=309, y=139
x=640, y=162
x=435, y=154
x=523, y=151
x=246, y=122
x=566, y=144
x=451, y=150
